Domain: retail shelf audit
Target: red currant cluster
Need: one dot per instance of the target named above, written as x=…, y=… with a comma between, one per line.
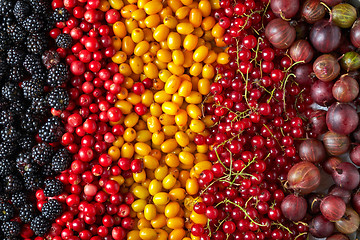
x=96, y=208
x=259, y=114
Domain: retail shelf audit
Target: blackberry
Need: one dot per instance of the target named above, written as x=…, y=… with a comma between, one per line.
x=53, y=187
x=61, y=15
x=40, y=225
x=47, y=171
x=24, y=163
x=39, y=106
x=58, y=75
x=50, y=58
x=18, y=199
x=63, y=40
x=10, y=229
x=9, y=133
x=17, y=74
x=6, y=211
x=51, y=210
x=6, y=21
x=4, y=197
x=11, y=91
x=5, y=167
x=15, y=57
x=42, y=153
x=36, y=43
x=4, y=41
x=6, y=7
x=3, y=69
x=7, y=149
x=61, y=160
x=18, y=107
x=21, y=10
x=39, y=6
x=32, y=181
x=26, y=142
x=33, y=24
x=32, y=88
x=16, y=33
x=27, y=212
x=51, y=131
x=12, y=184
x=32, y=64
x=30, y=123
x=58, y=99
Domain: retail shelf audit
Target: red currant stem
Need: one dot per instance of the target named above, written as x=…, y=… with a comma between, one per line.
x=212, y=183
x=244, y=211
x=257, y=49
x=292, y=65
x=218, y=157
x=217, y=228
x=247, y=201
x=281, y=226
x=301, y=234
x=202, y=104
x=273, y=136
x=300, y=222
x=264, y=12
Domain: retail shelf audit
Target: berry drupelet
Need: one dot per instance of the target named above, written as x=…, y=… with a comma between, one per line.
x=40, y=225
x=36, y=43
x=51, y=210
x=12, y=183
x=58, y=75
x=63, y=40
x=53, y=187
x=52, y=130
x=18, y=199
x=33, y=24
x=32, y=88
x=6, y=211
x=5, y=167
x=21, y=10
x=58, y=99
x=10, y=229
x=42, y=153
x=61, y=160
x=27, y=212
x=61, y=15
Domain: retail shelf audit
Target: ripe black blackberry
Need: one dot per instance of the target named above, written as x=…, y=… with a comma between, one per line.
x=6, y=21
x=42, y=153
x=50, y=58
x=6, y=117
x=53, y=187
x=30, y=123
x=39, y=6
x=51, y=210
x=16, y=33
x=4, y=41
x=61, y=15
x=15, y=56
x=61, y=160
x=12, y=183
x=18, y=107
x=47, y=171
x=32, y=88
x=16, y=74
x=5, y=167
x=18, y=199
x=27, y=212
x=10, y=229
x=33, y=24
x=21, y=10
x=51, y=131
x=32, y=64
x=39, y=106
x=26, y=142
x=7, y=149
x=63, y=40
x=6, y=7
x=36, y=43
x=9, y=134
x=6, y=211
x=58, y=99
x=11, y=91
x=24, y=164
x=3, y=68
x=58, y=75
x=40, y=225
x=32, y=181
